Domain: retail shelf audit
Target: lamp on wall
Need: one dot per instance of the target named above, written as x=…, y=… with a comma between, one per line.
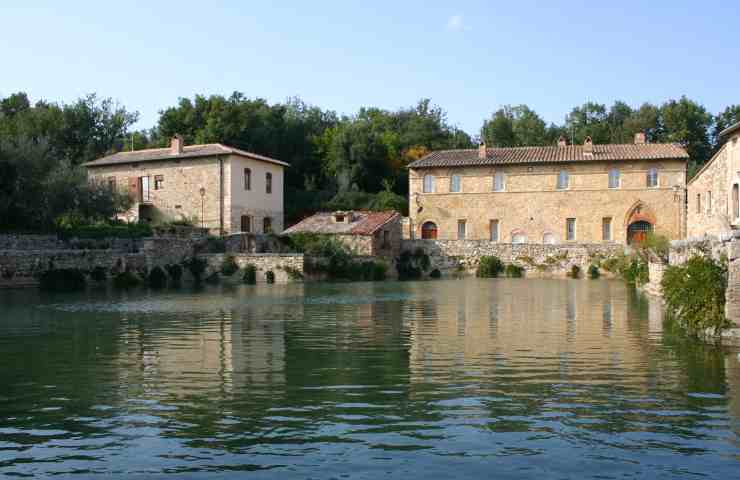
x=202, y=206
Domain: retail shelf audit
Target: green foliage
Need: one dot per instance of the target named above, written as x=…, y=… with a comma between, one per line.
x=62, y=280
x=293, y=273
x=250, y=274
x=175, y=272
x=270, y=276
x=196, y=266
x=593, y=272
x=213, y=279
x=435, y=273
x=575, y=271
x=635, y=270
x=514, y=271
x=157, y=277
x=381, y=201
x=514, y=126
x=489, y=267
x=411, y=265
x=694, y=294
x=229, y=266
x=212, y=244
x=654, y=247
x=68, y=227
x=126, y=279
x=99, y=274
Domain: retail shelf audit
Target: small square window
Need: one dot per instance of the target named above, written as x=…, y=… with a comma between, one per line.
x=159, y=182
x=563, y=180
x=570, y=229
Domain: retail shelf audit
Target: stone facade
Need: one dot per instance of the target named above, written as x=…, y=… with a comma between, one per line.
x=713, y=195
x=531, y=208
x=277, y=263
x=537, y=259
x=175, y=186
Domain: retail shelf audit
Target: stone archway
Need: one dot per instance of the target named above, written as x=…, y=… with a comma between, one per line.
x=429, y=230
x=639, y=221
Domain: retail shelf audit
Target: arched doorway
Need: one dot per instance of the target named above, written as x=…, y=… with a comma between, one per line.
x=429, y=231
x=637, y=231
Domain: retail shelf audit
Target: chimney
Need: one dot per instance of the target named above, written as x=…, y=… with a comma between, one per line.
x=562, y=141
x=588, y=146
x=640, y=138
x=176, y=144
x=482, y=150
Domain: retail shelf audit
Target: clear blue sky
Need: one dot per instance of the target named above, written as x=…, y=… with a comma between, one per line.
x=468, y=57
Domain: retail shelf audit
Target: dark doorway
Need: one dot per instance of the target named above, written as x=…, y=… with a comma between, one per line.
x=637, y=232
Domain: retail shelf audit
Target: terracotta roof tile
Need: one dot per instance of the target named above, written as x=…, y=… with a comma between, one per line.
x=190, y=151
x=551, y=154
x=364, y=223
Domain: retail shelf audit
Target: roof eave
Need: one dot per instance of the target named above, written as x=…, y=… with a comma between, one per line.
x=729, y=130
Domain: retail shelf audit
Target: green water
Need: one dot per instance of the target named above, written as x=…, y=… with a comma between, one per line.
x=446, y=379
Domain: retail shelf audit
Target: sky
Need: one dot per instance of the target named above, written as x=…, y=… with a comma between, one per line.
x=469, y=57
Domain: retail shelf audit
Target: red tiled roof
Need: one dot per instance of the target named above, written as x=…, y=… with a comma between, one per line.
x=552, y=154
x=363, y=223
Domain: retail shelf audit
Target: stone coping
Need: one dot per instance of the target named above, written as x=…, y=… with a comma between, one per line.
x=263, y=255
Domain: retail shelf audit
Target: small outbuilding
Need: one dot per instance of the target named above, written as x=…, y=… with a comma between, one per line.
x=376, y=234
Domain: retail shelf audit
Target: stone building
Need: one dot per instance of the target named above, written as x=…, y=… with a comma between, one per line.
x=218, y=187
x=713, y=195
x=376, y=234
x=556, y=194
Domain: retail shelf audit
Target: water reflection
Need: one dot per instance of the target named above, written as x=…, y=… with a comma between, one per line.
x=426, y=379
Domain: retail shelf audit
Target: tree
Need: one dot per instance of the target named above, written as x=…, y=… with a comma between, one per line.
x=514, y=126
x=592, y=120
x=686, y=122
x=728, y=117
x=498, y=131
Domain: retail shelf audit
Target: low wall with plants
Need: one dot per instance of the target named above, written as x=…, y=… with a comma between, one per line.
x=464, y=256
x=253, y=268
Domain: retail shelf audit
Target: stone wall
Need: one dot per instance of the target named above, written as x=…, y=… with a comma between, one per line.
x=54, y=242
x=450, y=255
x=278, y=263
x=21, y=267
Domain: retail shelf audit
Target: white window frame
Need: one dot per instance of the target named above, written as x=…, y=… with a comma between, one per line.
x=568, y=236
x=615, y=174
x=499, y=182
x=428, y=187
x=563, y=175
x=455, y=181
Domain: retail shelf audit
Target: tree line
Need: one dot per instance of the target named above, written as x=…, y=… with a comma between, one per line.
x=337, y=161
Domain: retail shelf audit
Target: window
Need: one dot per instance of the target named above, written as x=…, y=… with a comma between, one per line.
x=461, y=230
x=563, y=180
x=606, y=229
x=429, y=231
x=112, y=184
x=158, y=182
x=144, y=188
x=548, y=238
x=570, y=229
x=652, y=177
x=698, y=203
x=428, y=184
x=267, y=224
x=386, y=239
x=494, y=230
x=499, y=182
x=518, y=236
x=735, y=201
x=246, y=224
x=247, y=179
x=455, y=183
x=268, y=182
x=613, y=178
x=709, y=203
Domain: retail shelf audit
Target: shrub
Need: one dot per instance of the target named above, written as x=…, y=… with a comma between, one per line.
x=374, y=271
x=411, y=265
x=229, y=266
x=435, y=273
x=593, y=272
x=694, y=294
x=270, y=276
x=196, y=266
x=250, y=274
x=7, y=273
x=157, y=277
x=212, y=244
x=126, y=279
x=635, y=270
x=213, y=279
x=489, y=267
x=293, y=273
x=514, y=271
x=62, y=280
x=175, y=272
x=575, y=271
x=67, y=228
x=99, y=274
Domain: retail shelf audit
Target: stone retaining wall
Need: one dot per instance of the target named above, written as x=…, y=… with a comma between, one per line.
x=450, y=255
x=278, y=263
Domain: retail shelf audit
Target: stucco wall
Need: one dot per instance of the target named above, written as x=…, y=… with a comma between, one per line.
x=255, y=202
x=531, y=203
